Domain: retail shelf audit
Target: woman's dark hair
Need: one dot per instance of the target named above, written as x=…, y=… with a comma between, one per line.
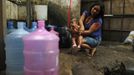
x=101, y=13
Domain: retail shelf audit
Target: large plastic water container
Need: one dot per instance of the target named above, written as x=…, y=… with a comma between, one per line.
x=14, y=50
x=34, y=27
x=10, y=27
x=41, y=52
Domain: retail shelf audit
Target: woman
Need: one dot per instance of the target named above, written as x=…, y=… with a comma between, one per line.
x=90, y=28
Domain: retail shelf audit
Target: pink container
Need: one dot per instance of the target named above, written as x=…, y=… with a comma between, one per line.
x=41, y=52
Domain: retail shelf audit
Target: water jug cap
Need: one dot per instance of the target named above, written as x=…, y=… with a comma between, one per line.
x=20, y=25
x=10, y=24
x=41, y=24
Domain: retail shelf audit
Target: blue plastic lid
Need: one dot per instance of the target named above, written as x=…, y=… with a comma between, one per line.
x=10, y=25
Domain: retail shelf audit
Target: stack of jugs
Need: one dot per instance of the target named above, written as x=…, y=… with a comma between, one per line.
x=14, y=50
x=10, y=27
x=41, y=52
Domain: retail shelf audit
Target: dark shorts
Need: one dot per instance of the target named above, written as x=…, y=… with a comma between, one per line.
x=92, y=41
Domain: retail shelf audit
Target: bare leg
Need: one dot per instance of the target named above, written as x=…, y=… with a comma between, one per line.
x=91, y=50
x=86, y=46
x=74, y=43
x=79, y=40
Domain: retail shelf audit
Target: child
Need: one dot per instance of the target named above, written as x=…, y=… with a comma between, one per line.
x=75, y=28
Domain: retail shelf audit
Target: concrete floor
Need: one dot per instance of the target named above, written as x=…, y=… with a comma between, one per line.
x=108, y=53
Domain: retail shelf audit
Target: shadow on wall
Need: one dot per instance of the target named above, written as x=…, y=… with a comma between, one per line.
x=57, y=15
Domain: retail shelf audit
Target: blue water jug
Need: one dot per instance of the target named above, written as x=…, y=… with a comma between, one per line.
x=26, y=27
x=10, y=27
x=14, y=50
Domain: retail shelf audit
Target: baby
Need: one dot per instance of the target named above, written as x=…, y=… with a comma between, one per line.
x=75, y=28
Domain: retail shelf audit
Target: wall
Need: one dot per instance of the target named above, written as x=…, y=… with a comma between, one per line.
x=11, y=10
x=117, y=26
x=117, y=9
x=22, y=13
x=2, y=34
x=57, y=10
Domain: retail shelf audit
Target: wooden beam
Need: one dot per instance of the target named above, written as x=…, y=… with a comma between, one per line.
x=18, y=3
x=2, y=32
x=13, y=2
x=28, y=7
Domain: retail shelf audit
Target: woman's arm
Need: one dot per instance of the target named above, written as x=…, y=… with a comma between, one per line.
x=81, y=22
x=93, y=28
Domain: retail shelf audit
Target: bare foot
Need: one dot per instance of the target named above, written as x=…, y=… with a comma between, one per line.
x=93, y=51
x=78, y=46
x=88, y=52
x=74, y=45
